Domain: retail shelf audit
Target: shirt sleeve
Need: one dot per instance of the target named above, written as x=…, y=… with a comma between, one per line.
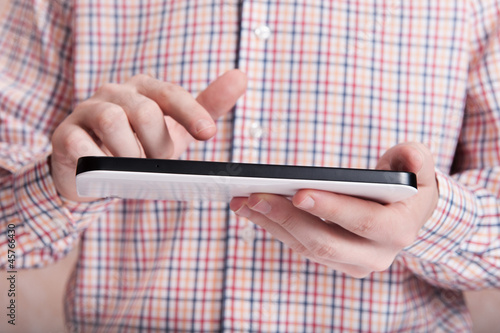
x=35, y=95
x=459, y=247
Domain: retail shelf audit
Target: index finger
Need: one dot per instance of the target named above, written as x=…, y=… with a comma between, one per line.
x=177, y=103
x=195, y=115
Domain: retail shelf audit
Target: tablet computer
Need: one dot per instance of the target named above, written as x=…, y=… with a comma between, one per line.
x=180, y=180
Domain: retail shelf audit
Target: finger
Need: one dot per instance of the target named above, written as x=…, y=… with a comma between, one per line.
x=196, y=116
x=416, y=158
x=240, y=207
x=338, y=252
x=364, y=218
x=409, y=157
x=70, y=142
x=322, y=240
x=179, y=104
x=221, y=95
x=110, y=124
x=147, y=121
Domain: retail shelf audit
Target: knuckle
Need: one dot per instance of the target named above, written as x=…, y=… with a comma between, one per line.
x=321, y=250
x=332, y=214
x=110, y=117
x=141, y=80
x=286, y=221
x=81, y=107
x=168, y=90
x=75, y=145
x=70, y=140
x=366, y=225
x=109, y=89
x=299, y=248
x=146, y=112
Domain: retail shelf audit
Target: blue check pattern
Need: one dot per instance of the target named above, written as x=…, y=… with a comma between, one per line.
x=331, y=83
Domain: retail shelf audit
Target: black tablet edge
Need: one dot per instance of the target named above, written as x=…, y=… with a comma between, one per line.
x=94, y=163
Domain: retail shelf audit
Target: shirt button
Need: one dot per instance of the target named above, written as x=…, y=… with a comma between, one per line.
x=248, y=233
x=256, y=131
x=262, y=32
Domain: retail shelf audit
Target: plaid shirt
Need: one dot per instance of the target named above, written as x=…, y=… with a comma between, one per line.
x=331, y=83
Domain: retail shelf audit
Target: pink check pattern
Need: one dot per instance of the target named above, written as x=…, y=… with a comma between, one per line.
x=335, y=83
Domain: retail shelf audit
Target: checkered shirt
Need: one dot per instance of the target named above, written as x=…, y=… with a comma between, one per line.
x=331, y=83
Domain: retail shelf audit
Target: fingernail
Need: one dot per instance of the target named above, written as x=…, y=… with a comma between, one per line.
x=243, y=211
x=262, y=207
x=307, y=203
x=203, y=124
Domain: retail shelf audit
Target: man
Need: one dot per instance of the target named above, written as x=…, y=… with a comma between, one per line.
x=390, y=85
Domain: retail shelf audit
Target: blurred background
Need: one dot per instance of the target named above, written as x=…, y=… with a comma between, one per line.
x=39, y=301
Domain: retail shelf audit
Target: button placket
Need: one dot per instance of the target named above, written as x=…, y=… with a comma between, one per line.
x=250, y=128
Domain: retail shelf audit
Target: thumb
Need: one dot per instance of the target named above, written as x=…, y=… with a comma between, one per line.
x=409, y=157
x=221, y=95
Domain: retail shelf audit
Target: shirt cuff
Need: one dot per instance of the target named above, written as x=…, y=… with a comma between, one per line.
x=43, y=213
x=453, y=220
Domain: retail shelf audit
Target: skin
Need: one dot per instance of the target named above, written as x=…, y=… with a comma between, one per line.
x=145, y=117
x=348, y=234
